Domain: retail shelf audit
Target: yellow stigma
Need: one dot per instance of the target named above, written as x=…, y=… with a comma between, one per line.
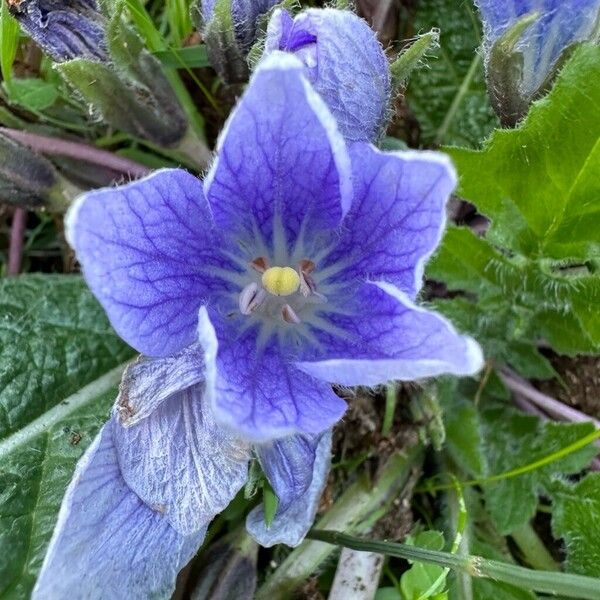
x=281, y=281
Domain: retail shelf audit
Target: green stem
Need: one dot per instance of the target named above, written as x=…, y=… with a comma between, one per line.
x=558, y=584
x=534, y=551
x=391, y=397
x=456, y=102
x=356, y=510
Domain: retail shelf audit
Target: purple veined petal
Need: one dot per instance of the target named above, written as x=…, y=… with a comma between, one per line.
x=149, y=381
x=181, y=462
x=291, y=523
x=107, y=544
x=288, y=464
x=151, y=256
x=282, y=169
x=257, y=392
x=396, y=220
x=561, y=23
x=343, y=60
x=381, y=335
x=65, y=29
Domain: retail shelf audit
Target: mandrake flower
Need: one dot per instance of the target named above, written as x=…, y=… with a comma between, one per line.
x=295, y=265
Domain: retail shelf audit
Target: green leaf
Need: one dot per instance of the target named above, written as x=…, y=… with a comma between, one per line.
x=270, y=503
x=522, y=440
x=424, y=580
x=540, y=183
x=576, y=519
x=9, y=41
x=483, y=449
x=189, y=57
x=449, y=98
x=60, y=363
x=32, y=93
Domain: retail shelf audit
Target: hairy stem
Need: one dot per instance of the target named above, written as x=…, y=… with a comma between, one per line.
x=78, y=150
x=565, y=584
x=533, y=549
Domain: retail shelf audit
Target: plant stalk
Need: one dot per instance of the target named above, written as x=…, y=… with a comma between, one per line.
x=550, y=582
x=78, y=150
x=356, y=510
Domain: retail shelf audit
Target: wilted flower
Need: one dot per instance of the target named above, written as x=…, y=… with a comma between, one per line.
x=65, y=29
x=344, y=61
x=525, y=41
x=294, y=266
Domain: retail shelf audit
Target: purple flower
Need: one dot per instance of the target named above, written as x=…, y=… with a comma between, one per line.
x=536, y=52
x=295, y=265
x=65, y=29
x=345, y=63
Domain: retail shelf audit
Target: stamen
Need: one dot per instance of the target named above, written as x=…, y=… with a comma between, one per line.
x=289, y=315
x=307, y=283
x=251, y=297
x=260, y=264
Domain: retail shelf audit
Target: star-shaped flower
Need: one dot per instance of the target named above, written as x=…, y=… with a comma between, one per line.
x=295, y=265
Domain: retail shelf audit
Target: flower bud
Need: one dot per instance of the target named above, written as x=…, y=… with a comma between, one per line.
x=344, y=62
x=108, y=65
x=525, y=44
x=65, y=29
x=29, y=180
x=229, y=28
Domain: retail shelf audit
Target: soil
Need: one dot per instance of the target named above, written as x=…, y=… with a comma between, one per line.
x=580, y=386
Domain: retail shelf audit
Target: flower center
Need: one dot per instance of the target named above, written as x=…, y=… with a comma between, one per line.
x=281, y=281
x=281, y=293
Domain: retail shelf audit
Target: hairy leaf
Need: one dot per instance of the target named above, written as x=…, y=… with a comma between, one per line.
x=449, y=98
x=576, y=519
x=59, y=367
x=539, y=183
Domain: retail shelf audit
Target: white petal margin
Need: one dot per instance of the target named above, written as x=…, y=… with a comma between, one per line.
x=107, y=544
x=284, y=61
x=456, y=354
x=290, y=526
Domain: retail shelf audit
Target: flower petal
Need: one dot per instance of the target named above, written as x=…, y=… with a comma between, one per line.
x=150, y=255
x=292, y=522
x=258, y=393
x=344, y=61
x=149, y=381
x=381, y=336
x=107, y=543
x=396, y=220
x=288, y=464
x=181, y=462
x=282, y=166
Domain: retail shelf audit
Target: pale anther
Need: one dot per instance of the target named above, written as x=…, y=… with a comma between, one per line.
x=289, y=315
x=251, y=297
